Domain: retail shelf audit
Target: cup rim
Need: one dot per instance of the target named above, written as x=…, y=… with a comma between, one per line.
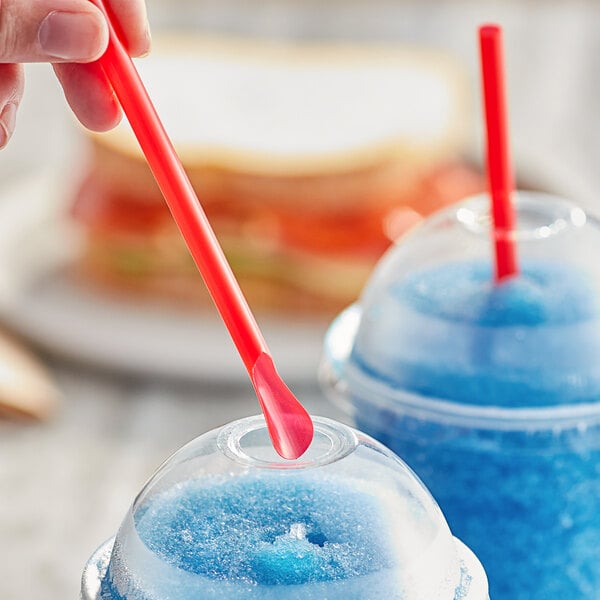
x=342, y=373
x=96, y=567
x=95, y=570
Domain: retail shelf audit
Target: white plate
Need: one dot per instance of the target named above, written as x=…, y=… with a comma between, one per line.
x=40, y=301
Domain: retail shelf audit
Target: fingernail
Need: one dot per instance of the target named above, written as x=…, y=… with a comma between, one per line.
x=8, y=120
x=72, y=36
x=147, y=41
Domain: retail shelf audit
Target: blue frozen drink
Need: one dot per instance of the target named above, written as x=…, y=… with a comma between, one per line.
x=490, y=392
x=226, y=518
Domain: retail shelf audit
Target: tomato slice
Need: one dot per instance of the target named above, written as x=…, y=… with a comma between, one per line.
x=363, y=232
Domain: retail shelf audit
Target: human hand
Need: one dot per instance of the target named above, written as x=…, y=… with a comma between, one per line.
x=71, y=34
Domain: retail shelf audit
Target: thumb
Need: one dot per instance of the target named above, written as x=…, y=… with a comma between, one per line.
x=51, y=31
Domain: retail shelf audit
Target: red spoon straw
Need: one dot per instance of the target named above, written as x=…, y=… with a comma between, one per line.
x=290, y=426
x=500, y=177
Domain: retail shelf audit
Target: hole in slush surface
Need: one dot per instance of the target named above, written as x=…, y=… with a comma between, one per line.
x=266, y=528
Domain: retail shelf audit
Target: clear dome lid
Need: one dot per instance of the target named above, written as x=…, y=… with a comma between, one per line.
x=432, y=324
x=225, y=517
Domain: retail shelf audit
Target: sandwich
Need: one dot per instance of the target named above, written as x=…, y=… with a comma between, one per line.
x=308, y=159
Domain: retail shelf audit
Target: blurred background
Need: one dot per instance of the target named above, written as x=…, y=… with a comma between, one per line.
x=106, y=375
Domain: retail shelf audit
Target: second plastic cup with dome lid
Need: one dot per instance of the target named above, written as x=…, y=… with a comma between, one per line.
x=226, y=517
x=490, y=391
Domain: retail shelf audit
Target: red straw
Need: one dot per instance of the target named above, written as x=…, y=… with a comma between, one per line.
x=290, y=426
x=500, y=176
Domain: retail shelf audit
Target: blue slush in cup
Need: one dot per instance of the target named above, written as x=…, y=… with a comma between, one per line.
x=227, y=518
x=490, y=392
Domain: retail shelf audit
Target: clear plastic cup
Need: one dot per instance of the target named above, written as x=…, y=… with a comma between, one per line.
x=225, y=517
x=491, y=393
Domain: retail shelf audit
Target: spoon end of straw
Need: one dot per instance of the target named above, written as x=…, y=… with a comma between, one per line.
x=289, y=424
x=291, y=447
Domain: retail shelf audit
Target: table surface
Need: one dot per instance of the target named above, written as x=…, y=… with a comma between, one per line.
x=65, y=485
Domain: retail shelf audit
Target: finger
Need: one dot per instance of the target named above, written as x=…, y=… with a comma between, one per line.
x=51, y=30
x=89, y=95
x=11, y=90
x=86, y=87
x=133, y=24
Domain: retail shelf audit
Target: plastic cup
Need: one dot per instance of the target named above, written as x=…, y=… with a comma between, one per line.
x=491, y=393
x=225, y=517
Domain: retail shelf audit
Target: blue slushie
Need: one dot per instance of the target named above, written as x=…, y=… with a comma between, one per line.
x=490, y=392
x=226, y=518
